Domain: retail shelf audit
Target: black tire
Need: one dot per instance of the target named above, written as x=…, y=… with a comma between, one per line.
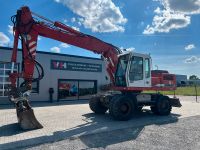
x=96, y=106
x=121, y=107
x=162, y=107
x=154, y=110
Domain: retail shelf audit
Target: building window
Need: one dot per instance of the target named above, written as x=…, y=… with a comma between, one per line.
x=68, y=89
x=86, y=89
x=5, y=69
x=35, y=87
x=76, y=89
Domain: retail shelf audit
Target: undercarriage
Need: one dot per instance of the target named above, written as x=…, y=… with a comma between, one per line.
x=122, y=106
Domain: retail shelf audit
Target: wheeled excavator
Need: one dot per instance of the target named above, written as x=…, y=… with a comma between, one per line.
x=130, y=73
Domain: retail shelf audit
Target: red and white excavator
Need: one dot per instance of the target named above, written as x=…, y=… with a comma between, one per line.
x=129, y=72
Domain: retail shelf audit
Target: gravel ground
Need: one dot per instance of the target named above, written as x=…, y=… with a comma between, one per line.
x=183, y=135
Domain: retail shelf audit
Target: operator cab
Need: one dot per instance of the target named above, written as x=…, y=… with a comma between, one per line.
x=133, y=70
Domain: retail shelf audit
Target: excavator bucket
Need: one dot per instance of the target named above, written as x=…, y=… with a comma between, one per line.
x=27, y=120
x=26, y=117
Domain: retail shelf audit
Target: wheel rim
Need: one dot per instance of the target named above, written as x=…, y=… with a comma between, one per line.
x=164, y=105
x=125, y=108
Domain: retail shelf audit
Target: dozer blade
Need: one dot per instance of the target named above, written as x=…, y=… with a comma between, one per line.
x=27, y=120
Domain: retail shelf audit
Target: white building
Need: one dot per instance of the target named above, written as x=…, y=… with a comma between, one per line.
x=71, y=77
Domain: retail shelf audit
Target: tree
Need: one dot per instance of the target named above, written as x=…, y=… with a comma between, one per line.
x=193, y=77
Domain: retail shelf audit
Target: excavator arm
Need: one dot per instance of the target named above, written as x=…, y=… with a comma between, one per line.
x=27, y=28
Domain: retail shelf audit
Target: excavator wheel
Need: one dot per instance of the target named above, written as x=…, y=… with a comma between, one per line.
x=162, y=106
x=26, y=117
x=121, y=107
x=96, y=106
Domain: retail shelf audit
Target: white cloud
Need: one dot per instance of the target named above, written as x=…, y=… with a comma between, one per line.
x=97, y=15
x=10, y=29
x=189, y=47
x=192, y=59
x=73, y=19
x=55, y=49
x=157, y=10
x=183, y=6
x=80, y=20
x=76, y=28
x=64, y=45
x=165, y=21
x=128, y=49
x=65, y=20
x=4, y=39
x=175, y=14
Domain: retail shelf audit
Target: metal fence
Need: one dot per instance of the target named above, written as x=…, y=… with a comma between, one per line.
x=197, y=91
x=189, y=90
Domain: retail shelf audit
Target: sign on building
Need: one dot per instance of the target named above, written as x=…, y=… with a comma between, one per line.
x=75, y=66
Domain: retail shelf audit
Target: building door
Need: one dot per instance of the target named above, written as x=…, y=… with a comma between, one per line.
x=67, y=89
x=76, y=89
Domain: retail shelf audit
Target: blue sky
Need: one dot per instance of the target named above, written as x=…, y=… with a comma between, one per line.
x=167, y=29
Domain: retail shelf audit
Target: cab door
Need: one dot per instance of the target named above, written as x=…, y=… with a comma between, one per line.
x=136, y=72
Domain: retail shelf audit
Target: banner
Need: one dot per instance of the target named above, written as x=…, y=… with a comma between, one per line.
x=75, y=66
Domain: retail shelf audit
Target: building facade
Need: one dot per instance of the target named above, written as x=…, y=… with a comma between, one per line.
x=181, y=80
x=70, y=77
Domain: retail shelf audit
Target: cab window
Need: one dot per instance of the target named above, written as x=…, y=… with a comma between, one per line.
x=147, y=68
x=136, y=69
